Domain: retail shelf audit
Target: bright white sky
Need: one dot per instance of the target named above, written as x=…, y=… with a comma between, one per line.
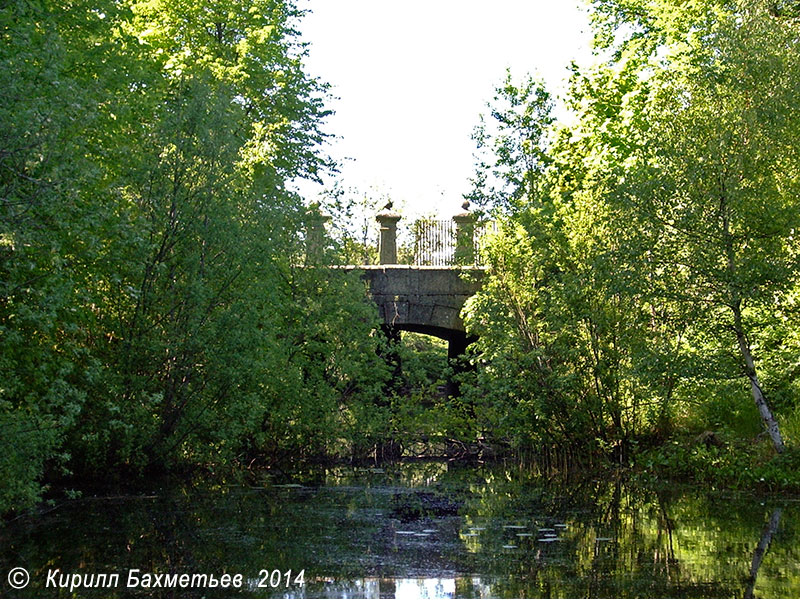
x=412, y=76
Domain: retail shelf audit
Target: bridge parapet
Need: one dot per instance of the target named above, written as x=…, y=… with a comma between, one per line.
x=436, y=242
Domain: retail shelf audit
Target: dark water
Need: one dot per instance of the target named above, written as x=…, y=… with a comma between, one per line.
x=416, y=531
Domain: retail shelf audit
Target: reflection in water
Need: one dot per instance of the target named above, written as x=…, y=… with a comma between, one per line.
x=424, y=588
x=763, y=544
x=407, y=588
x=402, y=588
x=424, y=531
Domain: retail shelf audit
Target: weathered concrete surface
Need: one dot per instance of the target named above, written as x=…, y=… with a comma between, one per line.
x=423, y=299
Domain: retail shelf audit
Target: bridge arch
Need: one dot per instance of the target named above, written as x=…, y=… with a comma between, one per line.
x=424, y=299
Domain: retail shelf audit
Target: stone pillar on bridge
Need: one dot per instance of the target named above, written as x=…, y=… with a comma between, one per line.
x=387, y=247
x=315, y=233
x=465, y=236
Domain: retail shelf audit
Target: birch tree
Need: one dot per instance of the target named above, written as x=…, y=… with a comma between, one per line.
x=714, y=175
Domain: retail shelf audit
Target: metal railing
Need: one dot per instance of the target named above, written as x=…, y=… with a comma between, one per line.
x=442, y=243
x=434, y=242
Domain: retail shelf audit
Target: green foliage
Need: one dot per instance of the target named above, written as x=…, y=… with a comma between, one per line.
x=511, y=146
x=45, y=365
x=152, y=310
x=424, y=360
x=415, y=415
x=790, y=424
x=738, y=464
x=154, y=313
x=353, y=223
x=649, y=280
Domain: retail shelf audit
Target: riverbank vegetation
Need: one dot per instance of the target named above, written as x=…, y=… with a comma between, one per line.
x=158, y=307
x=644, y=282
x=154, y=310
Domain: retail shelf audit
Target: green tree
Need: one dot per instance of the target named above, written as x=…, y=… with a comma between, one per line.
x=48, y=228
x=660, y=260
x=152, y=307
x=713, y=179
x=511, y=146
x=555, y=320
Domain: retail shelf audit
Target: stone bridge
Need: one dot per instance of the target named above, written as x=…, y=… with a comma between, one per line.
x=424, y=299
x=420, y=298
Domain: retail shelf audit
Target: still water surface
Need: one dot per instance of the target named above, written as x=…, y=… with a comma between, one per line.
x=421, y=531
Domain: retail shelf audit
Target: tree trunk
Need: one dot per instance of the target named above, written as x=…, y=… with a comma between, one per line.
x=764, y=410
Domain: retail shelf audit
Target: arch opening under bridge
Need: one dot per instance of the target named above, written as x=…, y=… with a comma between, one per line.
x=425, y=300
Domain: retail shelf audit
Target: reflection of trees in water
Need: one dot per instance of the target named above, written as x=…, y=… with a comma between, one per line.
x=225, y=530
x=621, y=540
